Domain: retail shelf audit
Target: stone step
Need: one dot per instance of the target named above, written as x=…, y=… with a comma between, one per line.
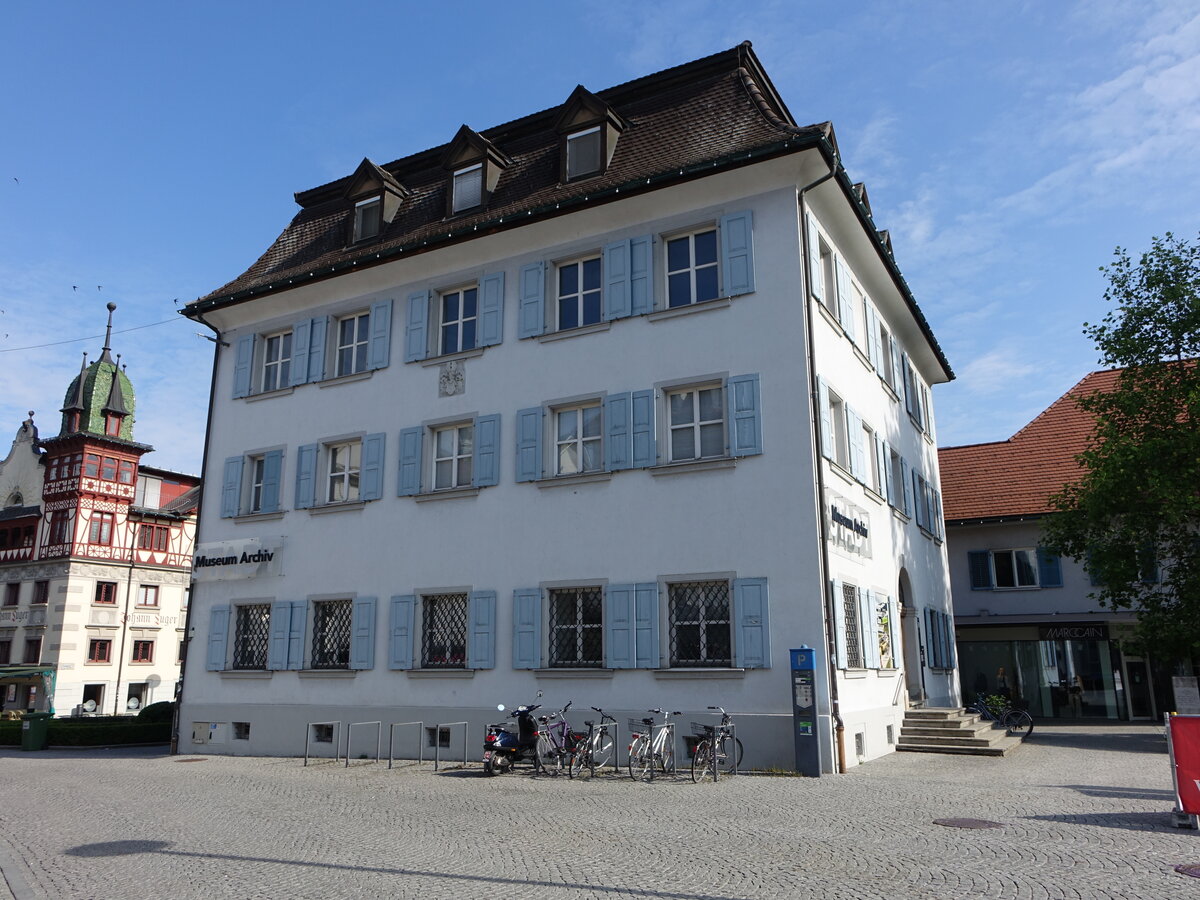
x=966, y=730
x=953, y=731
x=948, y=725
x=1001, y=748
x=986, y=740
x=934, y=713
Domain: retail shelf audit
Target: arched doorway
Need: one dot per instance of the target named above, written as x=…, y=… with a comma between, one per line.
x=910, y=637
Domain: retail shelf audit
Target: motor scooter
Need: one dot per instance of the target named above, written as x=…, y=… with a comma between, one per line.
x=502, y=747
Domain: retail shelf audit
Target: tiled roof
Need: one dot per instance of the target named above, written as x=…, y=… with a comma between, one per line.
x=1017, y=477
x=720, y=111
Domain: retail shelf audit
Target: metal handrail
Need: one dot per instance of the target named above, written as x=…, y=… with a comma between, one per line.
x=392, y=741
x=437, y=741
x=378, y=738
x=337, y=741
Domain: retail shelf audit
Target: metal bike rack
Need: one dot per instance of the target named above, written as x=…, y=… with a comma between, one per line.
x=392, y=741
x=378, y=738
x=337, y=739
x=614, y=732
x=655, y=730
x=437, y=742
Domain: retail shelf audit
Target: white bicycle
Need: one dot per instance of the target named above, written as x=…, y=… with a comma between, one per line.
x=652, y=747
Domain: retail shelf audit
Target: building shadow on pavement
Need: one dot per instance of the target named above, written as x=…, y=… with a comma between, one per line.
x=1120, y=793
x=1099, y=739
x=133, y=848
x=1130, y=821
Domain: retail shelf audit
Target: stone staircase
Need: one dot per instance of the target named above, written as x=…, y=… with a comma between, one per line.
x=953, y=731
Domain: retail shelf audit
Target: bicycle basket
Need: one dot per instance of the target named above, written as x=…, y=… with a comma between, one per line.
x=699, y=729
x=637, y=726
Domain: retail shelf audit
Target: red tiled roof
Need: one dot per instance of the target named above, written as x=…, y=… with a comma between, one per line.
x=1017, y=477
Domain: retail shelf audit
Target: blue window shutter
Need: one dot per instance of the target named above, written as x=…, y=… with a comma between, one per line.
x=815, y=275
x=481, y=646
x=272, y=476
x=380, y=349
x=617, y=303
x=826, y=419
x=894, y=350
x=645, y=622
x=931, y=644
x=745, y=418
x=529, y=444
x=297, y=622
x=416, y=327
x=845, y=298
x=904, y=477
x=316, y=349
x=218, y=636
x=527, y=625
x=491, y=309
x=935, y=512
x=952, y=642
x=618, y=431
x=619, y=626
x=894, y=632
x=373, y=450
x=872, y=337
x=532, y=313
x=1049, y=569
x=737, y=253
x=870, y=630
x=231, y=487
x=277, y=642
x=409, y=481
x=910, y=396
x=854, y=434
x=362, y=633
x=839, y=623
x=751, y=615
x=889, y=476
x=243, y=363
x=980, y=565
x=641, y=275
x=919, y=498
x=301, y=334
x=485, y=471
x=306, y=476
x=881, y=465
x=400, y=632
x=642, y=414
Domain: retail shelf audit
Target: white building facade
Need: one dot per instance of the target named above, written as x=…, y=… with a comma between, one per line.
x=565, y=406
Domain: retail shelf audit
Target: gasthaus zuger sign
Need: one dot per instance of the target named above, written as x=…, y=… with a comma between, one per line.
x=245, y=558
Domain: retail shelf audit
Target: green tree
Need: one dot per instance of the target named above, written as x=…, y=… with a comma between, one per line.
x=1132, y=516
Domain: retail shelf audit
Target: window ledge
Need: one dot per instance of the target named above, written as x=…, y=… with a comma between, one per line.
x=887, y=673
x=854, y=673
x=440, y=673
x=703, y=306
x=569, y=480
x=249, y=518
x=829, y=316
x=327, y=508
x=328, y=673
x=837, y=469
x=551, y=336
x=267, y=395
x=451, y=357
x=874, y=494
x=703, y=674
x=900, y=515
x=246, y=674
x=584, y=674
x=694, y=465
x=448, y=494
x=862, y=357
x=888, y=389
x=346, y=379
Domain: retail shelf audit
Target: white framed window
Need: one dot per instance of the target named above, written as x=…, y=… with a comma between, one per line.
x=584, y=149
x=258, y=472
x=147, y=595
x=1014, y=568
x=695, y=422
x=873, y=477
x=277, y=361
x=453, y=456
x=576, y=627
x=692, y=275
x=579, y=293
x=839, y=425
x=828, y=281
x=343, y=468
x=444, y=631
x=887, y=354
x=368, y=218
x=468, y=188
x=699, y=619
x=578, y=439
x=353, y=340
x=458, y=316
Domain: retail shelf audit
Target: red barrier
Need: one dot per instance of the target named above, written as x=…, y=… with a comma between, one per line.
x=1185, y=754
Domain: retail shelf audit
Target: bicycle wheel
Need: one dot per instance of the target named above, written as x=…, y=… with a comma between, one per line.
x=548, y=758
x=1018, y=723
x=602, y=749
x=581, y=759
x=666, y=760
x=702, y=762
x=640, y=758
x=726, y=756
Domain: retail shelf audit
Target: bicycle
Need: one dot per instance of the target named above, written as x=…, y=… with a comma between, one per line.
x=596, y=749
x=555, y=742
x=649, y=746
x=1016, y=722
x=719, y=750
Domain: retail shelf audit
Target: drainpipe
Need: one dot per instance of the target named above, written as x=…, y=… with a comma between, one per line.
x=218, y=343
x=839, y=729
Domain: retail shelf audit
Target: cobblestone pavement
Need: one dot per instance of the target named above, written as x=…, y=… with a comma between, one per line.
x=1085, y=814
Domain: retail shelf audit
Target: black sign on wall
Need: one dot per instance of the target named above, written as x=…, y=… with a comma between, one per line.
x=1086, y=631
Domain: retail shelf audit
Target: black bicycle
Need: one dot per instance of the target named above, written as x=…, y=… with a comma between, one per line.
x=1017, y=722
x=718, y=752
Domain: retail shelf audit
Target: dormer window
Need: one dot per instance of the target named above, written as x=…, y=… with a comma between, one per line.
x=112, y=425
x=72, y=422
x=468, y=188
x=368, y=218
x=584, y=153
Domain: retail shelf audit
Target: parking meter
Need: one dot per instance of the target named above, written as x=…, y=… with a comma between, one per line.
x=804, y=712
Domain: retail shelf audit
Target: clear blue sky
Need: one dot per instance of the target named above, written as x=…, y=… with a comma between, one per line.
x=152, y=149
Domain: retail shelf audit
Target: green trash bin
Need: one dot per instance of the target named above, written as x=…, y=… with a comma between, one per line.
x=35, y=730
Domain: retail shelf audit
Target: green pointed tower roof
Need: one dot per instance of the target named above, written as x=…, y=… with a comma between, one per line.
x=103, y=387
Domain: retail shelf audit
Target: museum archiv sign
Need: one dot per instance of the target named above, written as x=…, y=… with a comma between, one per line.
x=244, y=558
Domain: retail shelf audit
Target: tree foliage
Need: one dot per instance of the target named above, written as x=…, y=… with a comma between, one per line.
x=1133, y=515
